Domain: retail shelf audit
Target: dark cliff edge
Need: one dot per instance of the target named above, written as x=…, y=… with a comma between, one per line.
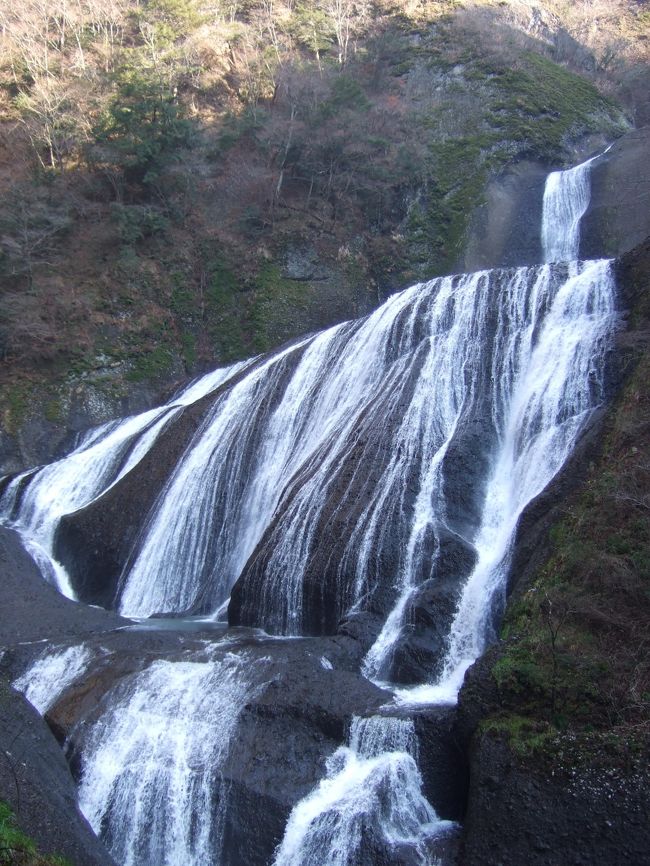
x=555, y=718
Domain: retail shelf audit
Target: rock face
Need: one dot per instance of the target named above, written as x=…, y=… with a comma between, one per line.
x=38, y=611
x=504, y=231
x=518, y=813
x=618, y=218
x=36, y=782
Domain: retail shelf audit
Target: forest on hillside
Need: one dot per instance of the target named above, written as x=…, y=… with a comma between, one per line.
x=185, y=182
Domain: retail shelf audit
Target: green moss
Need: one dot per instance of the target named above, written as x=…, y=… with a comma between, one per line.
x=276, y=308
x=183, y=299
x=15, y=399
x=16, y=848
x=525, y=736
x=539, y=105
x=53, y=411
x=188, y=343
x=151, y=365
x=436, y=225
x=224, y=312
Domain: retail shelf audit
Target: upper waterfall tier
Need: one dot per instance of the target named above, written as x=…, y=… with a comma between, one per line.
x=566, y=199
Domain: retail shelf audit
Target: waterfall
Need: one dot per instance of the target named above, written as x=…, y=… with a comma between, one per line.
x=548, y=364
x=324, y=480
x=291, y=445
x=337, y=478
x=551, y=398
x=371, y=796
x=51, y=674
x=34, y=502
x=150, y=776
x=566, y=199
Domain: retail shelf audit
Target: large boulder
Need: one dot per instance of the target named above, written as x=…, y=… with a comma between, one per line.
x=35, y=610
x=552, y=814
x=36, y=782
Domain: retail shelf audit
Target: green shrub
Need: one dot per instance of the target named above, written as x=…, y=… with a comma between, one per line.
x=17, y=849
x=137, y=222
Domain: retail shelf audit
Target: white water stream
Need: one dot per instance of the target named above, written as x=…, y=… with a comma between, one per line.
x=552, y=342
x=372, y=790
x=34, y=502
x=51, y=674
x=151, y=782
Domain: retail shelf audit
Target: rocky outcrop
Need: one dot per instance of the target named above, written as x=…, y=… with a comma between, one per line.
x=555, y=815
x=504, y=230
x=36, y=782
x=618, y=218
x=50, y=421
x=37, y=611
x=298, y=714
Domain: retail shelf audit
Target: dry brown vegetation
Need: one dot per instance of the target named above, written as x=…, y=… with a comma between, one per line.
x=158, y=158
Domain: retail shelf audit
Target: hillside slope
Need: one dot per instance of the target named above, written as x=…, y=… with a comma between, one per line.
x=184, y=183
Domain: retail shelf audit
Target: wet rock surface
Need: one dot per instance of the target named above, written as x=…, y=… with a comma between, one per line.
x=429, y=614
x=36, y=782
x=95, y=542
x=299, y=714
x=33, y=610
x=504, y=231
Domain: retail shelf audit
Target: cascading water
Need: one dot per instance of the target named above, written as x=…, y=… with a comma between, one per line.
x=34, y=502
x=333, y=479
x=51, y=675
x=552, y=339
x=551, y=397
x=150, y=776
x=371, y=797
x=566, y=199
